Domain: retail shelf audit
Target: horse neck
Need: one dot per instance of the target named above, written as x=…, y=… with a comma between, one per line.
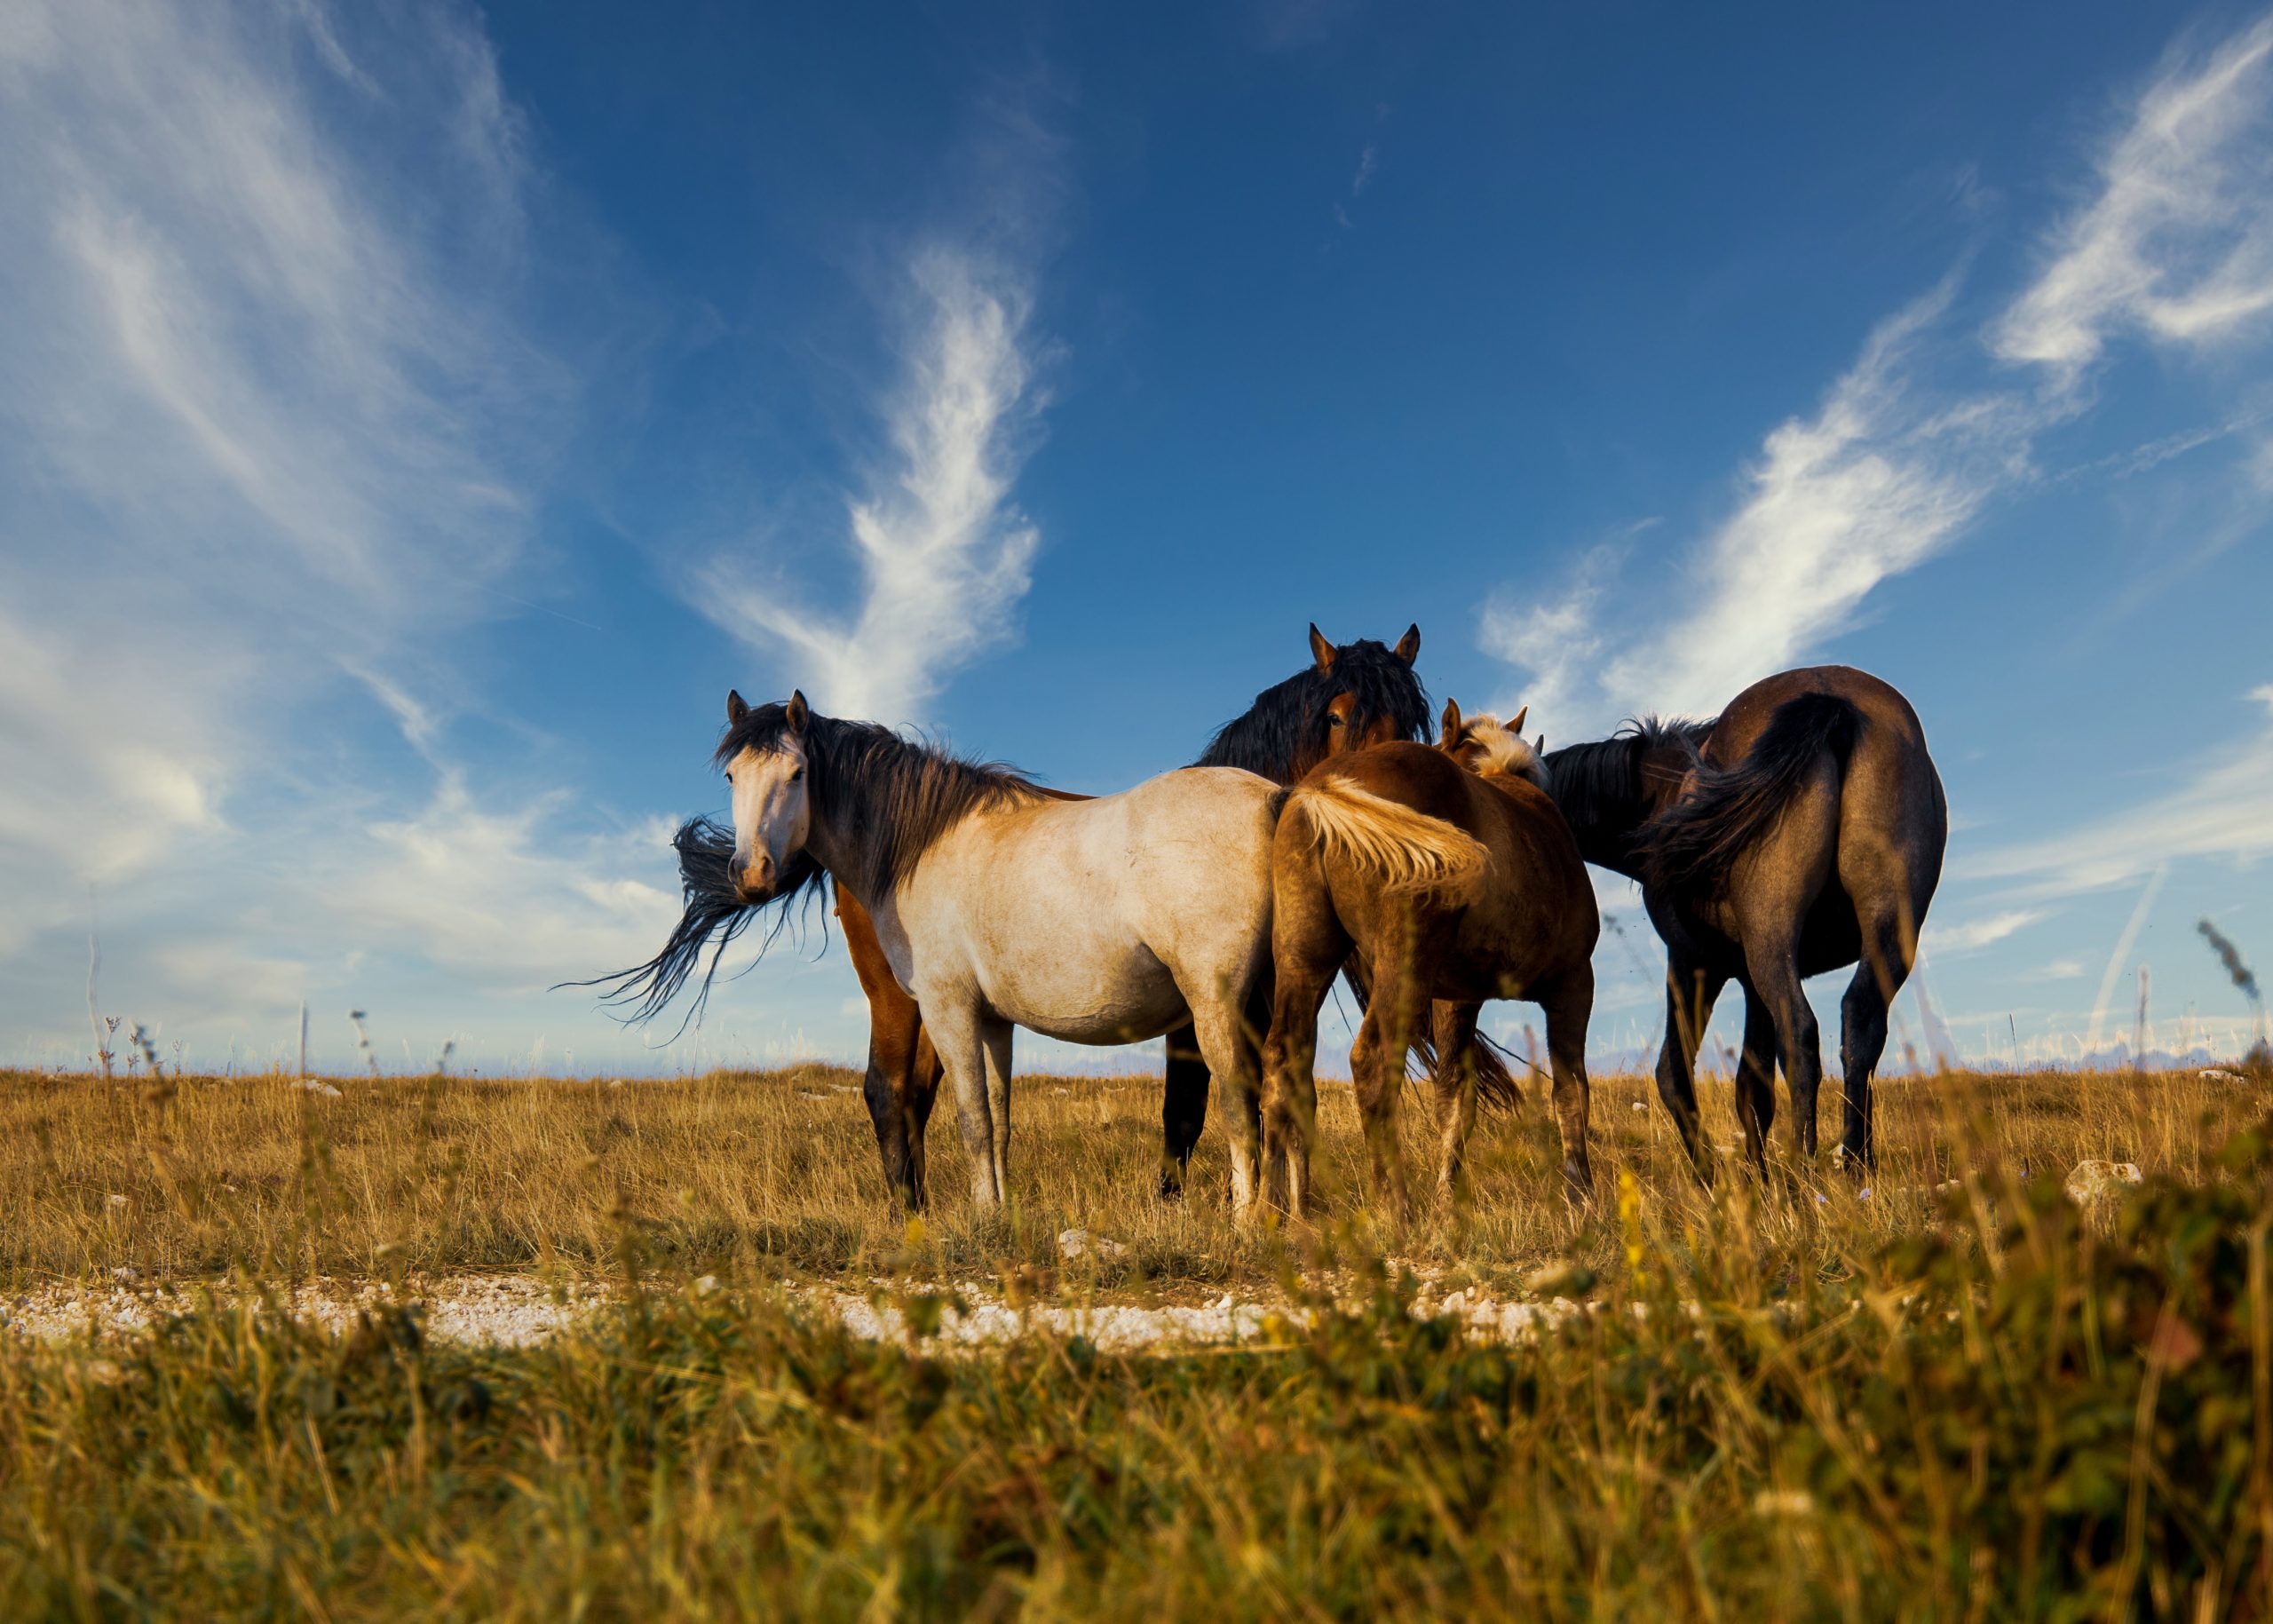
x=1607, y=828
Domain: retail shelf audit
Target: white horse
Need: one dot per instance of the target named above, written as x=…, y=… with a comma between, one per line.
x=1093, y=922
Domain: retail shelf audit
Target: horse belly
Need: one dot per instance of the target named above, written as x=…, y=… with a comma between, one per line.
x=1095, y=993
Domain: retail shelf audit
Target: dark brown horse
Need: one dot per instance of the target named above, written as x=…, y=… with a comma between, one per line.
x=1363, y=690
x=1451, y=883
x=1801, y=831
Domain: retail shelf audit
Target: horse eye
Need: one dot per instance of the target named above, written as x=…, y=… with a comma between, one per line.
x=795, y=774
x=1332, y=720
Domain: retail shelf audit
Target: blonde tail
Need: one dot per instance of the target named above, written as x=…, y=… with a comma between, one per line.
x=1403, y=849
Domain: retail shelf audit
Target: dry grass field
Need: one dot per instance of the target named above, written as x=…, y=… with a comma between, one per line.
x=1816, y=1397
x=774, y=1175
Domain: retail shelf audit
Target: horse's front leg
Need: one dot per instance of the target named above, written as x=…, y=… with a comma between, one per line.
x=966, y=1038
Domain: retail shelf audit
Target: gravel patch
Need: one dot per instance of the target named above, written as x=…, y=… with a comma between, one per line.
x=520, y=1311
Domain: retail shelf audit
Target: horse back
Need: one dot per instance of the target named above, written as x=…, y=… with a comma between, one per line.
x=1538, y=871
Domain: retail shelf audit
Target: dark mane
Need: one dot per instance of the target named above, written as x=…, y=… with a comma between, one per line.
x=705, y=852
x=1286, y=725
x=915, y=793
x=1601, y=783
x=900, y=794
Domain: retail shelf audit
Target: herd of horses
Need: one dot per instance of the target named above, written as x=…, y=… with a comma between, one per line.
x=1324, y=833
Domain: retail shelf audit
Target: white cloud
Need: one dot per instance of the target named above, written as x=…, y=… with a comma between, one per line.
x=1876, y=481
x=2176, y=243
x=273, y=419
x=2219, y=811
x=2179, y=241
x=942, y=549
x=1947, y=940
x=500, y=897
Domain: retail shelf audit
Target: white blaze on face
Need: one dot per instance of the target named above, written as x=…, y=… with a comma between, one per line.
x=773, y=813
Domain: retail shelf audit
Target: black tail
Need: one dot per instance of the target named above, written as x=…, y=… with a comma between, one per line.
x=706, y=851
x=1688, y=846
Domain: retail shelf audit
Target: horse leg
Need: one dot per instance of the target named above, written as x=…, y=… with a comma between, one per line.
x=1775, y=972
x=903, y=1072
x=1290, y=1084
x=1393, y=1016
x=1569, y=1006
x=963, y=1037
x=1862, y=1026
x=1756, y=1078
x=1183, y=1109
x=995, y=1040
x=1454, y=1033
x=1219, y=1022
x=923, y=1093
x=1691, y=989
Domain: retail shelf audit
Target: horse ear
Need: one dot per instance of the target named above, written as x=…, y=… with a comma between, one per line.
x=1448, y=730
x=799, y=713
x=1517, y=727
x=737, y=706
x=1538, y=746
x=1321, y=650
x=1408, y=646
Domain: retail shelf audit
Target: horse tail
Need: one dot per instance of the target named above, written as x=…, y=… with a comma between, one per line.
x=1403, y=849
x=1691, y=844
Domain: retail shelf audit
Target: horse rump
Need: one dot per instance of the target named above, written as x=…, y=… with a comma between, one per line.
x=1405, y=850
x=1691, y=844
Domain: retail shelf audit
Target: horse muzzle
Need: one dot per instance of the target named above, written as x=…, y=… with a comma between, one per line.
x=754, y=881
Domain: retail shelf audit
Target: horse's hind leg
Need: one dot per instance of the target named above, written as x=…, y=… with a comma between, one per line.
x=1775, y=971
x=1862, y=1021
x=1393, y=1017
x=1456, y=1078
x=1691, y=989
x=1756, y=1078
x=1290, y=1082
x=1569, y=1006
x=1183, y=1109
x=1219, y=1020
x=969, y=1043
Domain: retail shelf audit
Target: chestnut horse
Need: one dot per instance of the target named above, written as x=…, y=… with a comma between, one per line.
x=1450, y=875
x=1800, y=831
x=1361, y=692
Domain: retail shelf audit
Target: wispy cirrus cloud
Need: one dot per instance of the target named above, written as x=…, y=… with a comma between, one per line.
x=2221, y=809
x=1948, y=940
x=942, y=549
x=275, y=418
x=2175, y=244
x=2178, y=241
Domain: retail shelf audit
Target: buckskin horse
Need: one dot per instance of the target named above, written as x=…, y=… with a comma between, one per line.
x=1800, y=831
x=1107, y=920
x=1363, y=693
x=1450, y=875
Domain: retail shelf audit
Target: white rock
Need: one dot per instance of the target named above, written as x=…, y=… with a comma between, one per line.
x=2089, y=1181
x=115, y=1200
x=1080, y=1243
x=1640, y=1105
x=317, y=1085
x=2214, y=1075
x=125, y=1276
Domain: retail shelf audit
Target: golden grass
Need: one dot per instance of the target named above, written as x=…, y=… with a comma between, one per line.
x=775, y=1174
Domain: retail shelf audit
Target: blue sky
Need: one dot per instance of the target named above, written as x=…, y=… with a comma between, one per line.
x=419, y=416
